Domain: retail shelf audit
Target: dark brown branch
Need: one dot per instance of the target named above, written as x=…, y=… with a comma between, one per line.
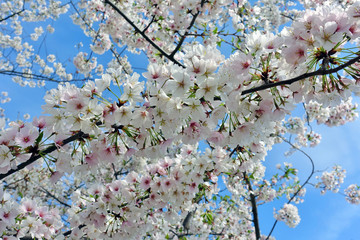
x=54, y=197
x=171, y=58
x=15, y=13
x=37, y=76
x=187, y=220
x=37, y=156
x=236, y=149
x=319, y=72
x=7, y=185
x=287, y=16
x=147, y=27
x=187, y=31
x=253, y=208
x=70, y=231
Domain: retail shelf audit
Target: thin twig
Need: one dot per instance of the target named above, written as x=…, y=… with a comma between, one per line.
x=151, y=21
x=302, y=186
x=307, y=117
x=116, y=55
x=37, y=76
x=152, y=43
x=178, y=46
x=15, y=13
x=54, y=197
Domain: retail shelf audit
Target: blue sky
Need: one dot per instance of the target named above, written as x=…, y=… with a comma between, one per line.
x=327, y=217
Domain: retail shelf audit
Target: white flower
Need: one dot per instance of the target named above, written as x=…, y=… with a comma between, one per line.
x=5, y=156
x=50, y=29
x=83, y=64
x=103, y=83
x=289, y=215
x=133, y=89
x=353, y=194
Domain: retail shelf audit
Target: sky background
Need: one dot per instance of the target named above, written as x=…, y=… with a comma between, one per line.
x=325, y=217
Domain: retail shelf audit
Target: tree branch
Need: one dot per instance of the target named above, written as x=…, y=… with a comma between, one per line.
x=187, y=220
x=302, y=186
x=171, y=58
x=253, y=208
x=54, y=197
x=236, y=149
x=147, y=27
x=15, y=13
x=187, y=31
x=318, y=72
x=37, y=156
x=180, y=235
x=37, y=76
x=70, y=231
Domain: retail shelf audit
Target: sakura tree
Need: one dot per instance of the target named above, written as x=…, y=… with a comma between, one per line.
x=176, y=151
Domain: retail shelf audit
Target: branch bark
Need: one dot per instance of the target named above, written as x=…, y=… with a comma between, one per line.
x=253, y=208
x=152, y=43
x=37, y=156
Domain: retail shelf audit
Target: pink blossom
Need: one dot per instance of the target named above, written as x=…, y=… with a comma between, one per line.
x=39, y=122
x=145, y=182
x=193, y=188
x=167, y=184
x=295, y=54
x=192, y=132
x=26, y=136
x=55, y=176
x=216, y=137
x=92, y=159
x=28, y=206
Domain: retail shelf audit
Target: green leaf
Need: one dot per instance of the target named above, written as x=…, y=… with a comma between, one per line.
x=39, y=138
x=210, y=218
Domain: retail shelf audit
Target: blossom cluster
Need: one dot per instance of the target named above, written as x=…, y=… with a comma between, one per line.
x=331, y=181
x=332, y=116
x=352, y=194
x=132, y=206
x=130, y=146
x=18, y=56
x=288, y=214
x=27, y=218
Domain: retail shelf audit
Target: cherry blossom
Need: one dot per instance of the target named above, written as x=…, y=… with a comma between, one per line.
x=352, y=194
x=121, y=152
x=289, y=215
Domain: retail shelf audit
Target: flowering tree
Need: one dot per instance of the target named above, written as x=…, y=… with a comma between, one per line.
x=121, y=156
